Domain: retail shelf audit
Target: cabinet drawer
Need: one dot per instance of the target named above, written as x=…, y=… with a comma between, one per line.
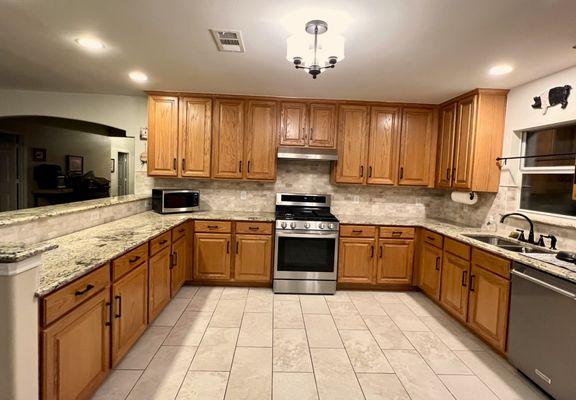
x=358, y=230
x=255, y=228
x=123, y=264
x=160, y=242
x=178, y=232
x=70, y=296
x=457, y=248
x=396, y=232
x=213, y=226
x=490, y=262
x=433, y=238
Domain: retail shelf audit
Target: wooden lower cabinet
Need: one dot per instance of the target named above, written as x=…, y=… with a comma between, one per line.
x=130, y=311
x=454, y=285
x=395, y=262
x=430, y=269
x=158, y=282
x=252, y=259
x=76, y=351
x=178, y=265
x=356, y=260
x=489, y=304
x=212, y=256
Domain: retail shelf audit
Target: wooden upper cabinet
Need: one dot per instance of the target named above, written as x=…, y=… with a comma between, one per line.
x=351, y=166
x=383, y=145
x=395, y=261
x=454, y=286
x=430, y=265
x=212, y=256
x=253, y=258
x=162, y=136
x=464, y=143
x=322, y=125
x=228, y=139
x=417, y=147
x=446, y=135
x=356, y=260
x=76, y=351
x=195, y=137
x=260, y=140
x=293, y=124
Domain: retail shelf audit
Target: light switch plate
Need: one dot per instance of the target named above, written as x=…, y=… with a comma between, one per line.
x=243, y=195
x=356, y=199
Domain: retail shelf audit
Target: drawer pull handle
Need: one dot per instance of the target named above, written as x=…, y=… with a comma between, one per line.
x=212, y=226
x=254, y=228
x=88, y=288
x=357, y=230
x=134, y=259
x=163, y=241
x=396, y=233
x=437, y=266
x=430, y=238
x=181, y=230
x=119, y=308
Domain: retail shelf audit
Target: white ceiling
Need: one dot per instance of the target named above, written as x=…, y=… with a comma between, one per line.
x=396, y=50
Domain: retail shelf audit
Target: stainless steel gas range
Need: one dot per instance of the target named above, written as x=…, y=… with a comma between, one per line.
x=306, y=255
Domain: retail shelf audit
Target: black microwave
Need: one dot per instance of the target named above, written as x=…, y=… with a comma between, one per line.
x=166, y=201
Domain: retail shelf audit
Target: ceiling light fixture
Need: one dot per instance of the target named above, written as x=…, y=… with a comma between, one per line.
x=501, y=69
x=138, y=76
x=90, y=43
x=306, y=52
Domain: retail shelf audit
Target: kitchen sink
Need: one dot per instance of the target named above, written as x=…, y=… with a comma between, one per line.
x=508, y=244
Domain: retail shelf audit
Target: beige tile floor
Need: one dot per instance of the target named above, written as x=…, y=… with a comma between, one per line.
x=214, y=343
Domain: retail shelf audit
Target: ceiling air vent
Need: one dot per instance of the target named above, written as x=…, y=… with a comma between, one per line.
x=228, y=40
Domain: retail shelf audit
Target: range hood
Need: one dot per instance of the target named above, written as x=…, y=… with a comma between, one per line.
x=307, y=153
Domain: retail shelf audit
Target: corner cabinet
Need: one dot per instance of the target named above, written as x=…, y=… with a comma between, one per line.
x=471, y=136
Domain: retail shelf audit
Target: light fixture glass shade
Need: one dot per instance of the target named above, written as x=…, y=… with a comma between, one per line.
x=302, y=45
x=330, y=46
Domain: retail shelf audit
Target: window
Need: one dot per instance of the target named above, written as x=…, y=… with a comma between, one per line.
x=547, y=182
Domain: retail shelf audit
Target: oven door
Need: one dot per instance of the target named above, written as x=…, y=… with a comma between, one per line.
x=301, y=255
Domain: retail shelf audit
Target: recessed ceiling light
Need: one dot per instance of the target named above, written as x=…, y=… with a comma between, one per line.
x=138, y=76
x=501, y=69
x=90, y=43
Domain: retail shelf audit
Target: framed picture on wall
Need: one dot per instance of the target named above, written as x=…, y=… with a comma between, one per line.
x=38, y=155
x=75, y=165
x=112, y=165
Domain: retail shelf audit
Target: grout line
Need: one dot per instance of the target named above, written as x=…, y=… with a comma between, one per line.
x=310, y=355
x=235, y=346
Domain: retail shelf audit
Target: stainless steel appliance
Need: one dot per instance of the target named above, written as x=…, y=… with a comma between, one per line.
x=306, y=251
x=166, y=201
x=543, y=329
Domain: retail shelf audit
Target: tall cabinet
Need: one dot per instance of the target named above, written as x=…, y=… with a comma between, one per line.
x=470, y=139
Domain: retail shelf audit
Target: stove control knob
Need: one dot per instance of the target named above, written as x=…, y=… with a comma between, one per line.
x=322, y=225
x=284, y=225
x=307, y=225
x=330, y=226
x=292, y=225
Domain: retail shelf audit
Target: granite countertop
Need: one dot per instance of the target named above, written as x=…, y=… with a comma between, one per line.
x=457, y=232
x=36, y=213
x=83, y=251
x=14, y=252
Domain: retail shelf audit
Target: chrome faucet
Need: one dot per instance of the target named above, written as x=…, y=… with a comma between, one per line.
x=531, y=234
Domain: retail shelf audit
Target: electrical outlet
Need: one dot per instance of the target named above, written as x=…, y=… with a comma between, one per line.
x=243, y=195
x=356, y=199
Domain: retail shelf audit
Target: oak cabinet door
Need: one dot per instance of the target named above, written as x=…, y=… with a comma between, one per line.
x=446, y=145
x=130, y=311
x=356, y=260
x=352, y=144
x=464, y=145
x=430, y=264
x=162, y=136
x=395, y=261
x=158, y=283
x=195, y=138
x=189, y=274
x=253, y=258
x=322, y=125
x=383, y=145
x=416, y=147
x=178, y=267
x=454, y=285
x=260, y=141
x=488, y=308
x=228, y=139
x=293, y=124
x=76, y=351
x=212, y=256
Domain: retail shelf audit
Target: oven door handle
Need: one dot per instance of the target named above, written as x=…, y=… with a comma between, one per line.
x=318, y=235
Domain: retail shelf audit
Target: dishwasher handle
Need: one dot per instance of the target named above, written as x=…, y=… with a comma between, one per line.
x=544, y=284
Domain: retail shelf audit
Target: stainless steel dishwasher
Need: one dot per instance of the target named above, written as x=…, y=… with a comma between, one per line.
x=542, y=330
